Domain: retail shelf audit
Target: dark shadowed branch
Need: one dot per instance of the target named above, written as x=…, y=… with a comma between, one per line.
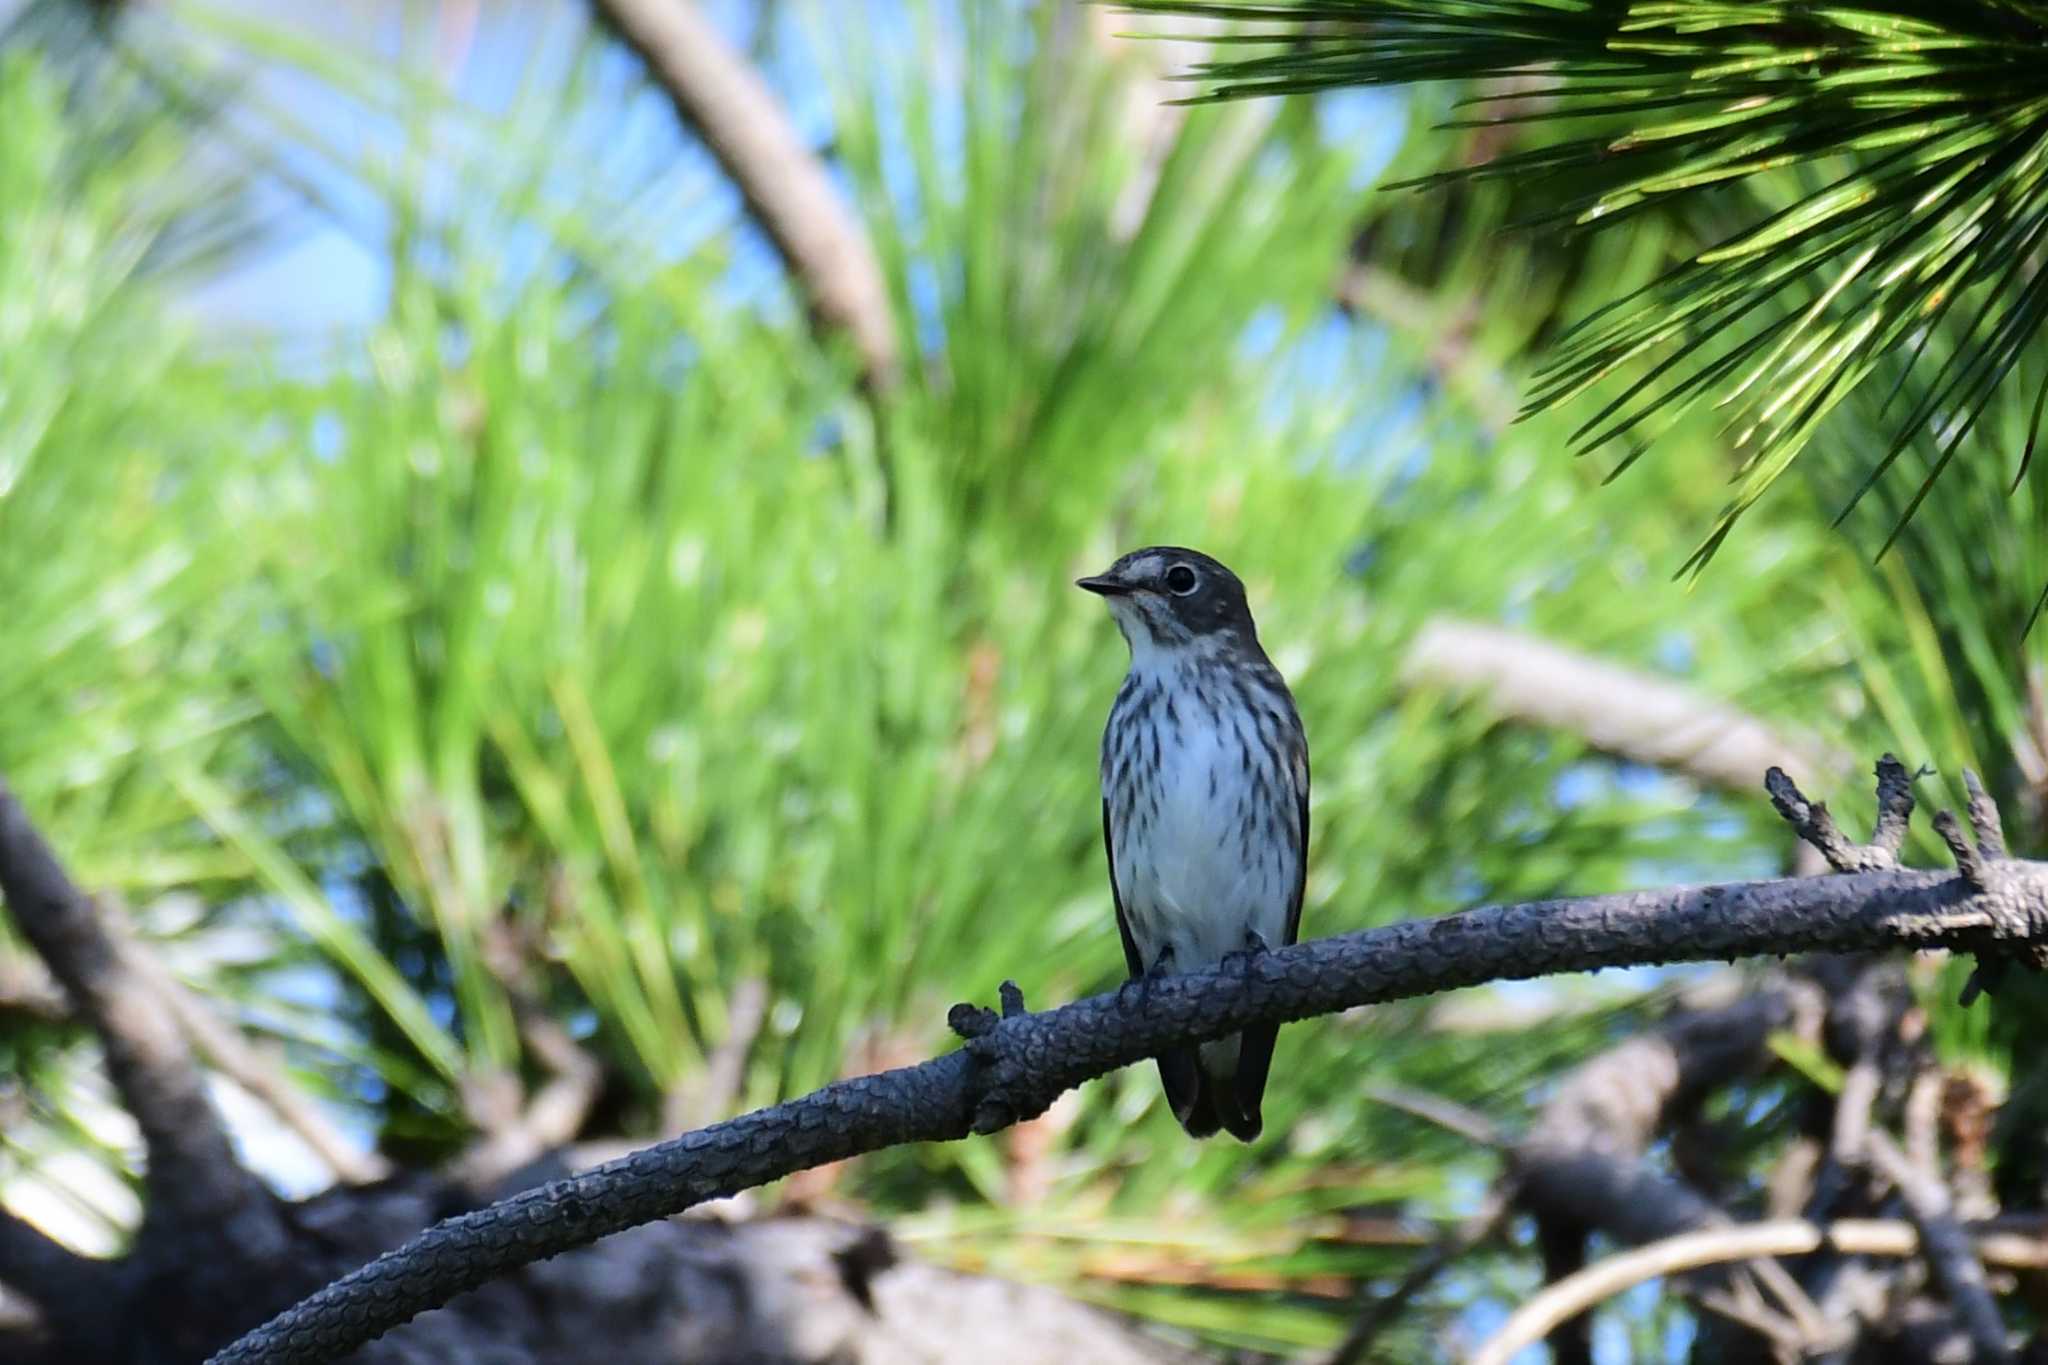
x=69, y=1291
x=1583, y=1167
x=1014, y=1066
x=203, y=1210
x=193, y=1176
x=1945, y=1246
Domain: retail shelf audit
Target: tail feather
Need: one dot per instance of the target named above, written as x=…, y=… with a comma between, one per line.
x=1248, y=1086
x=1187, y=1091
x=1211, y=1088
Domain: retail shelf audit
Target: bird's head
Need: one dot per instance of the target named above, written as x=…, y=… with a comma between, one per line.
x=1165, y=597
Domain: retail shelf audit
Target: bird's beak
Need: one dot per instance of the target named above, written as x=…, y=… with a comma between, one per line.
x=1104, y=584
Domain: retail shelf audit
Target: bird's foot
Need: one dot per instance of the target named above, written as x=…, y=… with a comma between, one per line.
x=973, y=1022
x=1240, y=962
x=1008, y=1088
x=1136, y=993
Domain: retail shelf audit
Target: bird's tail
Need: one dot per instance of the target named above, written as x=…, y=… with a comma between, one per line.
x=1220, y=1085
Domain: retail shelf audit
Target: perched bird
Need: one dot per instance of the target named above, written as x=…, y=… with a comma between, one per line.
x=1204, y=807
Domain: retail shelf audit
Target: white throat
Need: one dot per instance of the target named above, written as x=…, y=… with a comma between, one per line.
x=1152, y=657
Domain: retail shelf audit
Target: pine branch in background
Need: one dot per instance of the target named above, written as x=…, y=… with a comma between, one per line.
x=787, y=188
x=1864, y=180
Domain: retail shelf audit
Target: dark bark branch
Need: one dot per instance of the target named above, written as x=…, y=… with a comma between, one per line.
x=1562, y=1243
x=1984, y=821
x=194, y=1180
x=1946, y=1248
x=785, y=186
x=1013, y=1067
x=32, y=1263
x=1581, y=1166
x=1582, y=1159
x=1817, y=826
x=69, y=1291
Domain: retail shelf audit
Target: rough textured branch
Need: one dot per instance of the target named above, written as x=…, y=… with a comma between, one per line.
x=1017, y=1065
x=1984, y=821
x=1818, y=828
x=785, y=186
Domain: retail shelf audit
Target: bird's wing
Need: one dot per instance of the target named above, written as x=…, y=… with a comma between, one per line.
x=1180, y=1071
x=1123, y=921
x=1297, y=773
x=1255, y=1044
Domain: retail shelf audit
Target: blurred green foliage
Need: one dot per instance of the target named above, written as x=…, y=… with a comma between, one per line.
x=581, y=634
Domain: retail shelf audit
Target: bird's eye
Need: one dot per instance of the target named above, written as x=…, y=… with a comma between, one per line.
x=1181, y=580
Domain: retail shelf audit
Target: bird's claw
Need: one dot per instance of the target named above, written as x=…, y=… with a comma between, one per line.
x=1239, y=963
x=1136, y=993
x=973, y=1021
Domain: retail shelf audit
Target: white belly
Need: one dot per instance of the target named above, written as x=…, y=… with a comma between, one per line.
x=1197, y=860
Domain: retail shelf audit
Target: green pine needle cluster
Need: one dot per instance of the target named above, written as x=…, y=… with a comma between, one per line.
x=1859, y=181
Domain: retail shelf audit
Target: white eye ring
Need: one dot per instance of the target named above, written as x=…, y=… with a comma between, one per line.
x=1182, y=580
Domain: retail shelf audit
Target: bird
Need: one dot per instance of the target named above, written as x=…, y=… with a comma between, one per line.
x=1204, y=808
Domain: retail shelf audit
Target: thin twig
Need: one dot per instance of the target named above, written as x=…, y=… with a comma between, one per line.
x=1852, y=1110
x=232, y=1056
x=1747, y=1309
x=1447, y=1114
x=515, y=1127
x=1470, y=1233
x=1990, y=830
x=711, y=1094
x=1960, y=848
x=1798, y=1306
x=1894, y=806
x=1817, y=827
x=1920, y=1117
x=1718, y=1246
